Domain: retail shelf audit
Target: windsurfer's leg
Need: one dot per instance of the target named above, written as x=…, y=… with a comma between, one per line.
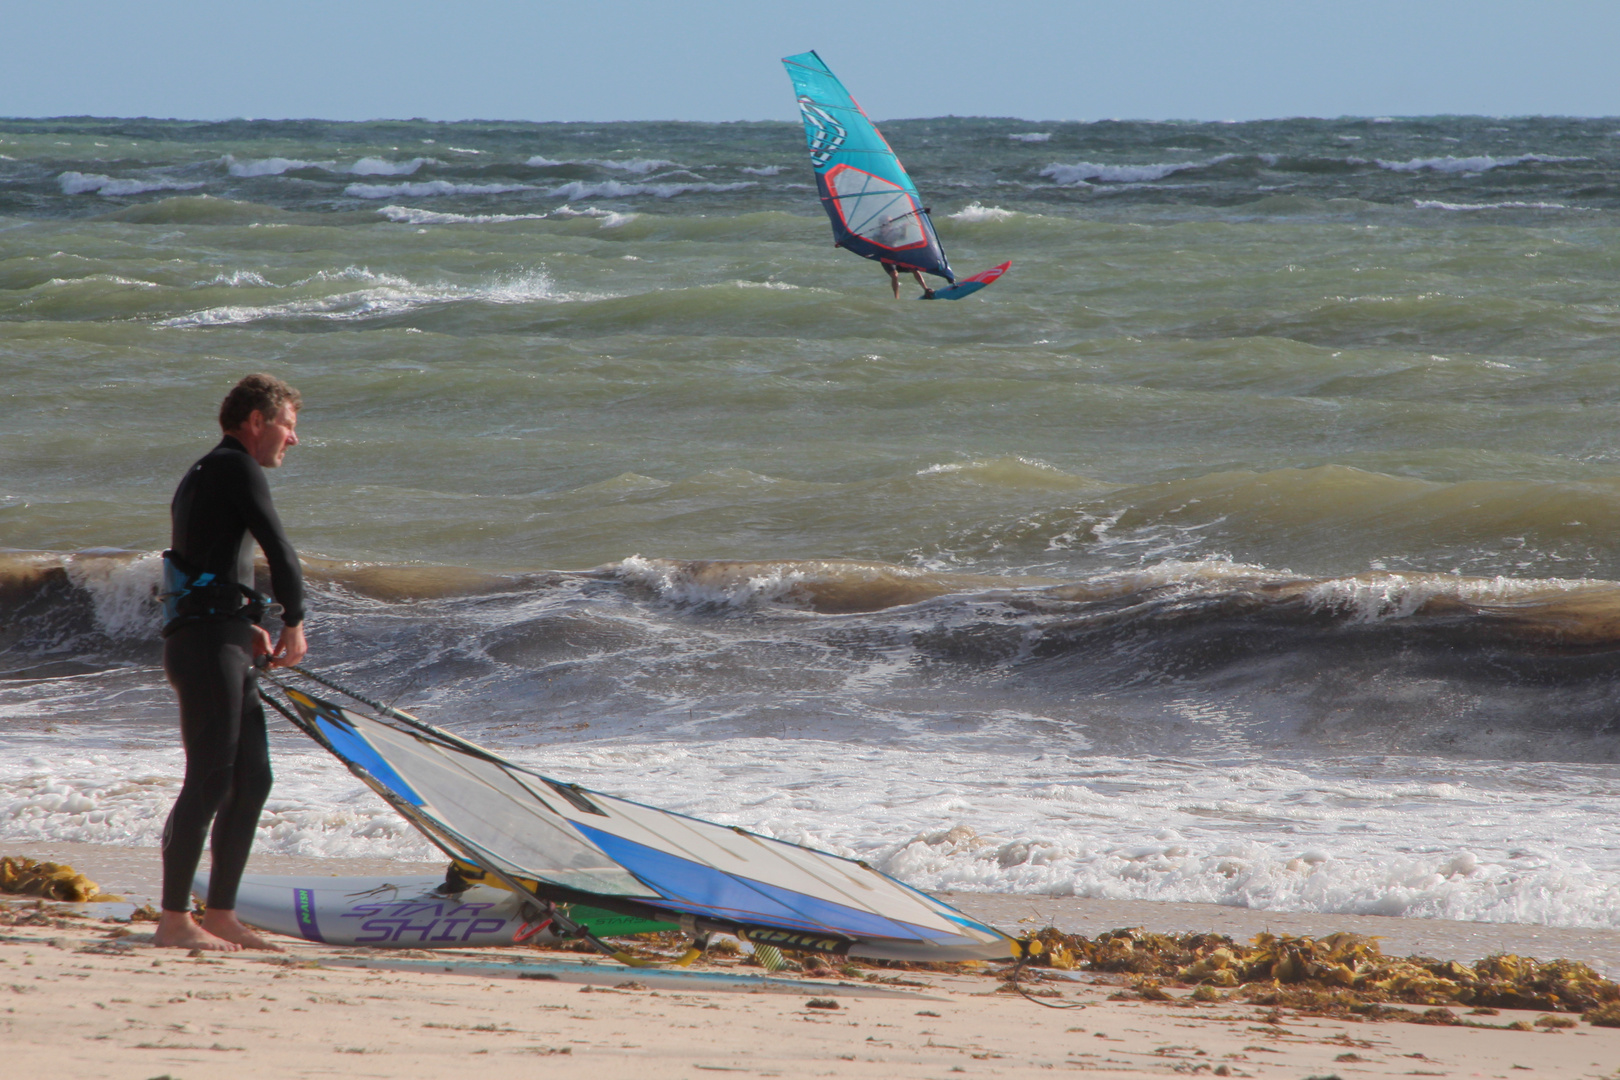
x=237, y=822
x=894, y=279
x=203, y=663
x=926, y=290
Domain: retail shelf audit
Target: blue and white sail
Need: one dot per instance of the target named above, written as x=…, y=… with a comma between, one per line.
x=873, y=205
x=564, y=843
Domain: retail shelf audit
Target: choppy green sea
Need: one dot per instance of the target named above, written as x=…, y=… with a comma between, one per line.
x=1282, y=444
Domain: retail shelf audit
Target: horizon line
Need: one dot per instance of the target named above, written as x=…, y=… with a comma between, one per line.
x=1379, y=118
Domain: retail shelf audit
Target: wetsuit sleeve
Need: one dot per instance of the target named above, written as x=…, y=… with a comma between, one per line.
x=259, y=514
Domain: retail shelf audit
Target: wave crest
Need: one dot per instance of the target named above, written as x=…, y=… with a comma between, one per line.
x=77, y=183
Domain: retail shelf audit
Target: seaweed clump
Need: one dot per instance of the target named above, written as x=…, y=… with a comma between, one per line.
x=49, y=881
x=1340, y=973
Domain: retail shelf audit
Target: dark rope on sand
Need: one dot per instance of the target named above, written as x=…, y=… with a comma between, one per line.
x=1012, y=980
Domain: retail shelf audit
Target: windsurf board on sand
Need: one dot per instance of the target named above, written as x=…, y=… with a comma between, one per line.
x=406, y=912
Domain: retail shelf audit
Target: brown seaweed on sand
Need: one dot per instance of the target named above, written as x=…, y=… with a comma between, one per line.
x=49, y=881
x=1338, y=972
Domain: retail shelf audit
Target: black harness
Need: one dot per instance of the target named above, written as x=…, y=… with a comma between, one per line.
x=189, y=596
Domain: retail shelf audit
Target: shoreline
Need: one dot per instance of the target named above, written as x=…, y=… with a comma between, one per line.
x=135, y=873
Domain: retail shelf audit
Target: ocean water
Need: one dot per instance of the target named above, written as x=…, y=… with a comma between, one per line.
x=1252, y=541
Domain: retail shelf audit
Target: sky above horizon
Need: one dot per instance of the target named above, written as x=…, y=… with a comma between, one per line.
x=718, y=59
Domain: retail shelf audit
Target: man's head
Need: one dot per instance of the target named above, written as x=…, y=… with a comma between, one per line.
x=261, y=413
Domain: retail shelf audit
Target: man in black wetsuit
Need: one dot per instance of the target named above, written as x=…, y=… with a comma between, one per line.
x=211, y=639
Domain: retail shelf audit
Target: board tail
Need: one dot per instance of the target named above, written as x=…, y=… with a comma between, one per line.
x=968, y=286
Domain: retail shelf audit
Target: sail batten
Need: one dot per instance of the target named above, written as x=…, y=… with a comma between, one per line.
x=870, y=200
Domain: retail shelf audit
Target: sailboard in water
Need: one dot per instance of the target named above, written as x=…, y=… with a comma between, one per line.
x=968, y=286
x=873, y=205
x=559, y=842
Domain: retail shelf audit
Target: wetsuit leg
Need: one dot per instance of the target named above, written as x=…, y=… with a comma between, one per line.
x=227, y=759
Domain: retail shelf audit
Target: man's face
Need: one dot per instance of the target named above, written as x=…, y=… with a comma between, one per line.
x=274, y=436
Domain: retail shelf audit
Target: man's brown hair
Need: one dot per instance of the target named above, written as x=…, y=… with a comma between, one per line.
x=259, y=393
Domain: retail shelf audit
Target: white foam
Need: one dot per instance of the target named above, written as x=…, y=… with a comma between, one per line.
x=412, y=216
x=637, y=166
x=1375, y=597
x=763, y=170
x=77, y=183
x=417, y=190
x=372, y=166
x=1487, y=841
x=123, y=591
x=109, y=279
x=1031, y=136
x=385, y=295
x=974, y=212
x=614, y=189
x=1082, y=172
x=238, y=278
x=1477, y=164
x=273, y=166
x=610, y=219
x=462, y=150
x=674, y=583
x=1436, y=204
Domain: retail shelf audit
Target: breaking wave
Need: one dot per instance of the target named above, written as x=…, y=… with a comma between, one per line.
x=638, y=166
x=614, y=189
x=412, y=216
x=1436, y=204
x=975, y=212
x=1084, y=172
x=371, y=166
x=385, y=294
x=1476, y=164
x=417, y=190
x=77, y=183
x=366, y=166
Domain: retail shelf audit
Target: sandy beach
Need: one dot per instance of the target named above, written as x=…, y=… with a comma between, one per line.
x=89, y=994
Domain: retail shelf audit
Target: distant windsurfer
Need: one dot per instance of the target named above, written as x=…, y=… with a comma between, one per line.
x=212, y=638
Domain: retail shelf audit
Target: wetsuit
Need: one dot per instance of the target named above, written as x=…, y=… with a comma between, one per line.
x=220, y=508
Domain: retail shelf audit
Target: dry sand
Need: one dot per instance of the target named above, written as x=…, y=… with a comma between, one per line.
x=86, y=996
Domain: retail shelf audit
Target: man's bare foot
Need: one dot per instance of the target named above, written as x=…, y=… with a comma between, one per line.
x=178, y=930
x=224, y=924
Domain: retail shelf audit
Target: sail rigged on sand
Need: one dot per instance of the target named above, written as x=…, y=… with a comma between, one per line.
x=872, y=203
x=568, y=844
